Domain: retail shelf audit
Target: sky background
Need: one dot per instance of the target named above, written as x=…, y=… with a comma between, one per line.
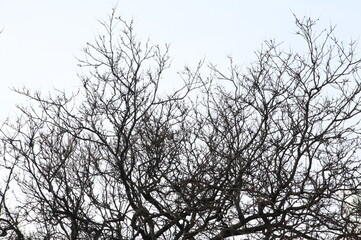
x=41, y=39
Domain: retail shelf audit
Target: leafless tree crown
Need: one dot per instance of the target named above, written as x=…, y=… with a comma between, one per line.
x=269, y=152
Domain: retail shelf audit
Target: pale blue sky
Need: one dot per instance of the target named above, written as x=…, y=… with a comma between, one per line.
x=41, y=38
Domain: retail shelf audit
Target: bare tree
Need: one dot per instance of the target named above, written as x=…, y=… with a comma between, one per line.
x=266, y=153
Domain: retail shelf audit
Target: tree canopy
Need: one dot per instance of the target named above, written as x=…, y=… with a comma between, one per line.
x=267, y=152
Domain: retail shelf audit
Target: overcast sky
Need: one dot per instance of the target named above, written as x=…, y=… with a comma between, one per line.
x=42, y=38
